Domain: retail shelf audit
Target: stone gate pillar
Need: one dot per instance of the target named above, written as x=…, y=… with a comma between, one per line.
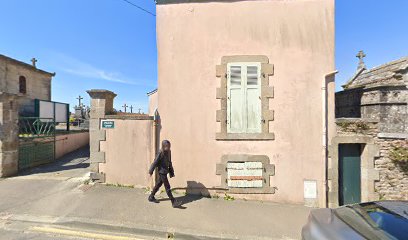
x=8, y=134
x=101, y=105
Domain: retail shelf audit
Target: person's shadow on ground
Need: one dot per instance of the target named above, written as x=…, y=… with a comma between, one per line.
x=194, y=192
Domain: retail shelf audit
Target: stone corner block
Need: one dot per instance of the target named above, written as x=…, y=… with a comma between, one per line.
x=220, y=169
x=98, y=177
x=268, y=69
x=221, y=93
x=221, y=115
x=220, y=70
x=269, y=115
x=97, y=157
x=268, y=92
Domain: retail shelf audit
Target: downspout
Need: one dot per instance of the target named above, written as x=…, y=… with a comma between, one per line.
x=330, y=77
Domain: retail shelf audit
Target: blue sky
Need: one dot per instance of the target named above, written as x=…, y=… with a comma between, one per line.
x=111, y=44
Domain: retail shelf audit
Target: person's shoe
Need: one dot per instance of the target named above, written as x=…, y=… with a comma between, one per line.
x=152, y=199
x=175, y=203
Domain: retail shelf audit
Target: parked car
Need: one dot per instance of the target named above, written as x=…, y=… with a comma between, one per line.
x=372, y=220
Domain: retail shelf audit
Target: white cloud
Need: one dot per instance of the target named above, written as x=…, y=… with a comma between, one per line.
x=79, y=68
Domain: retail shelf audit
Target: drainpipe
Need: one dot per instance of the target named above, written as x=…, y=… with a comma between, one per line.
x=330, y=77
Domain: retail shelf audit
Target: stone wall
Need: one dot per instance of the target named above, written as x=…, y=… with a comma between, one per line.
x=38, y=82
x=393, y=176
x=8, y=134
x=393, y=182
x=101, y=104
x=348, y=104
x=385, y=104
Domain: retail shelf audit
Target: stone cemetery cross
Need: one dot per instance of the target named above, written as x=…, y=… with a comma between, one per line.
x=140, y=110
x=34, y=61
x=131, y=108
x=79, y=100
x=361, y=55
x=125, y=106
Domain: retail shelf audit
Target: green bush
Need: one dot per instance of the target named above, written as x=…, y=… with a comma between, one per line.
x=399, y=153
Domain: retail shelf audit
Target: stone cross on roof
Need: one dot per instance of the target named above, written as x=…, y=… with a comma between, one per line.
x=79, y=100
x=125, y=107
x=34, y=61
x=361, y=55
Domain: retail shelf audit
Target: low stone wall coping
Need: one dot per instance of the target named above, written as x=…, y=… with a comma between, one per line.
x=340, y=120
x=101, y=93
x=130, y=117
x=393, y=135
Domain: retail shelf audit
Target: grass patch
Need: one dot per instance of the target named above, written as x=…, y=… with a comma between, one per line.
x=228, y=197
x=355, y=126
x=119, y=185
x=399, y=153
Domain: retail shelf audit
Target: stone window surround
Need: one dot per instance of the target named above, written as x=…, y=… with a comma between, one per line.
x=368, y=173
x=268, y=170
x=267, y=92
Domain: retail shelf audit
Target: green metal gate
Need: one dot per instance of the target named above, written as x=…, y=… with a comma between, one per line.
x=36, y=141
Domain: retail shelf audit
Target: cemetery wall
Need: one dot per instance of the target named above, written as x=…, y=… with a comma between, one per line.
x=70, y=142
x=128, y=150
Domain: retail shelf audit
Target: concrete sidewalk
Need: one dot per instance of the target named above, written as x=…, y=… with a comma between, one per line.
x=57, y=201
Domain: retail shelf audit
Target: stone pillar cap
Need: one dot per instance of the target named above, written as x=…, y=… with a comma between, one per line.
x=101, y=93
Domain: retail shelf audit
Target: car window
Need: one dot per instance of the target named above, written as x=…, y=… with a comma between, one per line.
x=388, y=221
x=354, y=220
x=374, y=221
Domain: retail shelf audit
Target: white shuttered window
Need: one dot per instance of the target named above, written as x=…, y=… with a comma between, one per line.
x=244, y=98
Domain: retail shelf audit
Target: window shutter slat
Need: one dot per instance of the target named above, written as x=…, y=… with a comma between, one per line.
x=235, y=119
x=253, y=101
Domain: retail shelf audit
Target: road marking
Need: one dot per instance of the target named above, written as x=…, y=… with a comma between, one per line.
x=74, y=233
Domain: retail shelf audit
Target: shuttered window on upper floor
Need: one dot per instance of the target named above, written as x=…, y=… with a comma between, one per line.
x=244, y=98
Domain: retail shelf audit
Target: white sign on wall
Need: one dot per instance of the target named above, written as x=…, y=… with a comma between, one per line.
x=61, y=112
x=310, y=189
x=47, y=108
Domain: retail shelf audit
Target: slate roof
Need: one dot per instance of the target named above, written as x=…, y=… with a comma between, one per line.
x=386, y=74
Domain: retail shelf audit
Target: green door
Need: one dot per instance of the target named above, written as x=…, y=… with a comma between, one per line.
x=349, y=173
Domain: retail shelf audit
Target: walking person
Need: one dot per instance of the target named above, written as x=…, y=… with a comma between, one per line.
x=164, y=166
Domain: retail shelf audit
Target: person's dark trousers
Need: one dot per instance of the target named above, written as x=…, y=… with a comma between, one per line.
x=163, y=180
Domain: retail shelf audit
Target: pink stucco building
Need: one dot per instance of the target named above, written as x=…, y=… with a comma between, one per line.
x=245, y=95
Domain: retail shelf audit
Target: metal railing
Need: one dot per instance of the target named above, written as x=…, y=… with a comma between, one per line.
x=34, y=127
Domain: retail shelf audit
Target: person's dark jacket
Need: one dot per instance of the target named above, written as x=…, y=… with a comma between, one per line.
x=163, y=164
